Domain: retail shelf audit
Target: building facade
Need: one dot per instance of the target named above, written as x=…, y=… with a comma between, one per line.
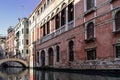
x=21, y=39
x=2, y=47
x=10, y=42
x=76, y=34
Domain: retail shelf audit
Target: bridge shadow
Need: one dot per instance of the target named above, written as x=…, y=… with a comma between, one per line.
x=13, y=72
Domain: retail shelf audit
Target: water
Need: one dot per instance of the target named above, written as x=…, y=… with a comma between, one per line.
x=24, y=74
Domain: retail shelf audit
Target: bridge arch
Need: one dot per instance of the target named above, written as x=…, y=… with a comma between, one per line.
x=24, y=63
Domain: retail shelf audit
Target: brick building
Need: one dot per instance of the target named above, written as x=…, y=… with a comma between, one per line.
x=77, y=34
x=10, y=42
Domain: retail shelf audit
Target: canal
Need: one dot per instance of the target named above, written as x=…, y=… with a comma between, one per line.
x=25, y=74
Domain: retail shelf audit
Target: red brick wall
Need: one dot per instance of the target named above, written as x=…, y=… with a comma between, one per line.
x=103, y=33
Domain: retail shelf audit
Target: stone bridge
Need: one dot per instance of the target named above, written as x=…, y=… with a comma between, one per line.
x=23, y=62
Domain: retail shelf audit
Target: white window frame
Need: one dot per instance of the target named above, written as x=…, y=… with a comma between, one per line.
x=113, y=15
x=86, y=29
x=118, y=44
x=85, y=5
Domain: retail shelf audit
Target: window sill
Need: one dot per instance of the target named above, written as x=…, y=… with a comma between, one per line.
x=116, y=31
x=90, y=40
x=90, y=11
x=116, y=58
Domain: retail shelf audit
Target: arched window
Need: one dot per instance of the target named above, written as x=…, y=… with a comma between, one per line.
x=50, y=57
x=117, y=21
x=63, y=15
x=71, y=51
x=57, y=53
x=37, y=57
x=57, y=21
x=90, y=30
x=70, y=12
x=43, y=28
x=48, y=27
x=43, y=58
x=52, y=22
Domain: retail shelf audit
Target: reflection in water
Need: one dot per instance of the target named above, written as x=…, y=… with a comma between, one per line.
x=22, y=74
x=42, y=75
x=13, y=74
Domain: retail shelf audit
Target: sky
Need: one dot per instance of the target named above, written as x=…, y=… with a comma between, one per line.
x=11, y=10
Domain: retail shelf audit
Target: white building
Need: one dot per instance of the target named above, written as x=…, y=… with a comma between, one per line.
x=21, y=38
x=2, y=46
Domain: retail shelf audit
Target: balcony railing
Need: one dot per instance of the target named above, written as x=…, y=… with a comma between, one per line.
x=57, y=32
x=16, y=38
x=47, y=37
x=60, y=30
x=70, y=25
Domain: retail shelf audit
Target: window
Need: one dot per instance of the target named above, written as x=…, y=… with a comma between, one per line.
x=22, y=31
x=42, y=58
x=22, y=51
x=70, y=12
x=91, y=54
x=63, y=17
x=44, y=5
x=38, y=12
x=117, y=21
x=90, y=4
x=52, y=24
x=27, y=51
x=57, y=21
x=71, y=51
x=57, y=53
x=44, y=30
x=48, y=1
x=48, y=27
x=27, y=42
x=41, y=9
x=22, y=41
x=27, y=23
x=117, y=51
x=90, y=31
x=27, y=31
x=33, y=18
x=37, y=57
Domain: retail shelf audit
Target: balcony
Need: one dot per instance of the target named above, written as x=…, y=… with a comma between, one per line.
x=47, y=37
x=59, y=31
x=70, y=24
x=16, y=38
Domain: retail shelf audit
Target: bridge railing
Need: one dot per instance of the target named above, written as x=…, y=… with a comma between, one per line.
x=14, y=56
